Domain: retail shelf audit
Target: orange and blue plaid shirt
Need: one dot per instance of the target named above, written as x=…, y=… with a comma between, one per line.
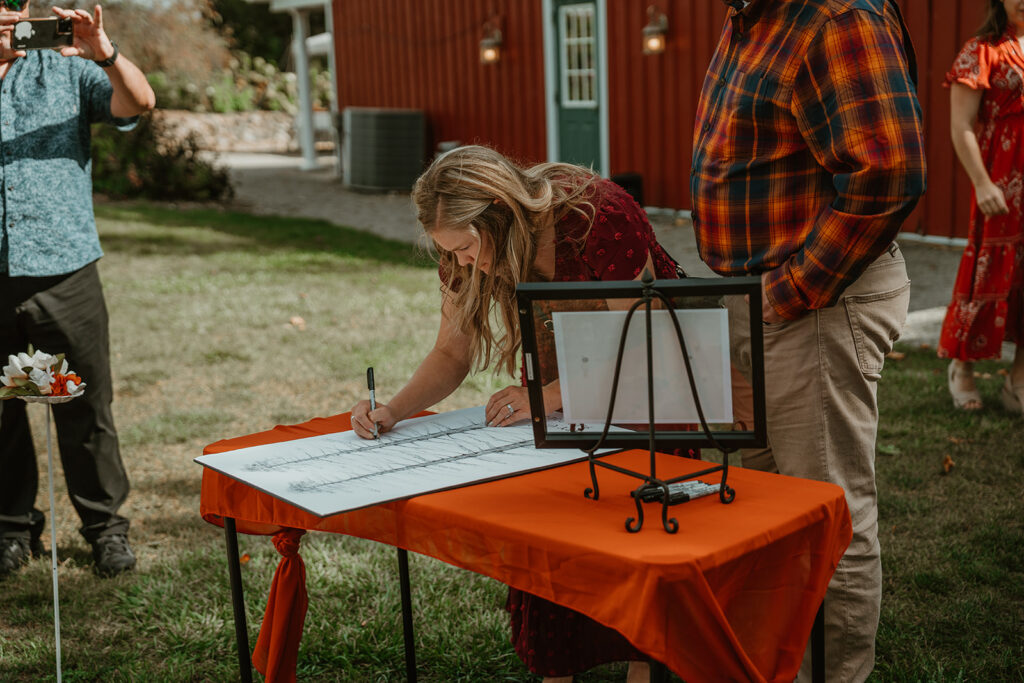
x=808, y=145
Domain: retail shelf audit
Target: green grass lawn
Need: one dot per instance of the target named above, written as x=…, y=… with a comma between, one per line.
x=224, y=324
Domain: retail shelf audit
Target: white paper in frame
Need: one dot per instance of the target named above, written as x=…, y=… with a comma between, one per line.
x=586, y=345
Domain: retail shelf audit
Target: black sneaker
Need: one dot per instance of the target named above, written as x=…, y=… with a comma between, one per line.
x=35, y=546
x=35, y=541
x=14, y=554
x=112, y=555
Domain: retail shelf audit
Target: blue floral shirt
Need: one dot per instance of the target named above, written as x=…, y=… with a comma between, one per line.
x=47, y=103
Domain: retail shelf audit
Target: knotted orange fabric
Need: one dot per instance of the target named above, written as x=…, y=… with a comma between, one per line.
x=730, y=597
x=277, y=647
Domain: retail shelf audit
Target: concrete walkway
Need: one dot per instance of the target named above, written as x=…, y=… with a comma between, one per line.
x=273, y=184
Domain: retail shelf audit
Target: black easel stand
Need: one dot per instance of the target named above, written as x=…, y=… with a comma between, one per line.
x=651, y=481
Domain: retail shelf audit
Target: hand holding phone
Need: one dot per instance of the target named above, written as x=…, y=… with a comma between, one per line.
x=40, y=34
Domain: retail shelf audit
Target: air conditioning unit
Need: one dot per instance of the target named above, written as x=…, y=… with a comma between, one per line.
x=382, y=149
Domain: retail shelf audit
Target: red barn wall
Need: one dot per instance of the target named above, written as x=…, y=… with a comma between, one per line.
x=424, y=54
x=652, y=98
x=939, y=29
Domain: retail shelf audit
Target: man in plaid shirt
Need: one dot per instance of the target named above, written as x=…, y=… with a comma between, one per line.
x=808, y=156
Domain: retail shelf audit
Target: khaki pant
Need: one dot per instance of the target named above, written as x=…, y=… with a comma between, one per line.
x=821, y=374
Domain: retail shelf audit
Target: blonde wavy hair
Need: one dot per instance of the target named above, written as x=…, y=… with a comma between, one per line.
x=476, y=189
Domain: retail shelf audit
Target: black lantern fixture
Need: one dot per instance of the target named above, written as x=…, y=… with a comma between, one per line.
x=654, y=32
x=490, y=44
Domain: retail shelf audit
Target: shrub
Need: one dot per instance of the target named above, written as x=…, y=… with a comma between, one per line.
x=252, y=28
x=145, y=163
x=247, y=84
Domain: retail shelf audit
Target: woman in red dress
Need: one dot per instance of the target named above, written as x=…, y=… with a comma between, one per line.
x=987, y=126
x=496, y=225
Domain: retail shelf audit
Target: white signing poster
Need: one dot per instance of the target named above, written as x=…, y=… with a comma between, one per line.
x=333, y=473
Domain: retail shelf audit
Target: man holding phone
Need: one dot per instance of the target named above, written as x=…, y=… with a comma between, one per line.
x=50, y=293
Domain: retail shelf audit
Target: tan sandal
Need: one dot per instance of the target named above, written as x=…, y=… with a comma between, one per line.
x=962, y=400
x=1012, y=396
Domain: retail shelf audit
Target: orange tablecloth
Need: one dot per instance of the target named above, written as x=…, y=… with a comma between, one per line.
x=731, y=596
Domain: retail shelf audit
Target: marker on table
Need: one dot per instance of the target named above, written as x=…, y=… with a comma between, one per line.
x=373, y=399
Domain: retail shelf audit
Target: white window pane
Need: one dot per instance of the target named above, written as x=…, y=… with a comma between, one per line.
x=577, y=28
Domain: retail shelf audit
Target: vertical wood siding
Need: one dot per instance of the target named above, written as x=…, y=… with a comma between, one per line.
x=939, y=29
x=423, y=54
x=652, y=98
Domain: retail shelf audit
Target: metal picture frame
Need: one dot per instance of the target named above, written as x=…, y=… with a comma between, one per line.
x=532, y=297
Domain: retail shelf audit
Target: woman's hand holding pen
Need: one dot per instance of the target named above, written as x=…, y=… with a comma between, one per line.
x=363, y=419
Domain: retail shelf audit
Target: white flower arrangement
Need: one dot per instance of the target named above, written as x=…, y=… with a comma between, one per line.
x=37, y=373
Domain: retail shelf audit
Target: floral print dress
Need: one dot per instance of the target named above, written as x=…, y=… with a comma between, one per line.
x=988, y=295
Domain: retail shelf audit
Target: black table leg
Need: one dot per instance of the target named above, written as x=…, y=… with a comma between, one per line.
x=410, y=643
x=818, y=646
x=237, y=601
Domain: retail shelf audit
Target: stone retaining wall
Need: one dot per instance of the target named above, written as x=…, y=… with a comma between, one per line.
x=257, y=131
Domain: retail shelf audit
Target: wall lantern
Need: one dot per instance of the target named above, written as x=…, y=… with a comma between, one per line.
x=490, y=44
x=654, y=32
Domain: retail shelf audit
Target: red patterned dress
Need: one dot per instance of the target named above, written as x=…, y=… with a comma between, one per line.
x=550, y=639
x=988, y=296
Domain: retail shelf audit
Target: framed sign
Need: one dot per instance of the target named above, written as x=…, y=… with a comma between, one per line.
x=630, y=354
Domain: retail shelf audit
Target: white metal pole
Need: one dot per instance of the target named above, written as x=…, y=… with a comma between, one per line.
x=53, y=541
x=332, y=68
x=300, y=29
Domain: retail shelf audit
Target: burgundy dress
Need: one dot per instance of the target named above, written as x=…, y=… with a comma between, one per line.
x=550, y=639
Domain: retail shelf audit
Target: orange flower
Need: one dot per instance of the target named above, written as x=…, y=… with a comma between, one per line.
x=59, y=386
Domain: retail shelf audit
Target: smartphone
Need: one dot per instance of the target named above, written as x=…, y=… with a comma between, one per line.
x=39, y=34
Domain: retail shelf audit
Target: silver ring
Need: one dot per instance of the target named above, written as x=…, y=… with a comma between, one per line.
x=511, y=411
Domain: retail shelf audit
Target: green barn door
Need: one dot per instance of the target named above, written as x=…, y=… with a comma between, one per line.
x=577, y=81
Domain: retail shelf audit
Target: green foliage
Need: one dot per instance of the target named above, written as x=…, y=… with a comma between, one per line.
x=226, y=94
x=253, y=28
x=143, y=162
x=246, y=84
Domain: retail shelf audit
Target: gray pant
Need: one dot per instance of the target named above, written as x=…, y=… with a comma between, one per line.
x=821, y=374
x=63, y=314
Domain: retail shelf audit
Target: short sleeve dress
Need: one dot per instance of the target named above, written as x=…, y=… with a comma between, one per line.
x=550, y=639
x=988, y=295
